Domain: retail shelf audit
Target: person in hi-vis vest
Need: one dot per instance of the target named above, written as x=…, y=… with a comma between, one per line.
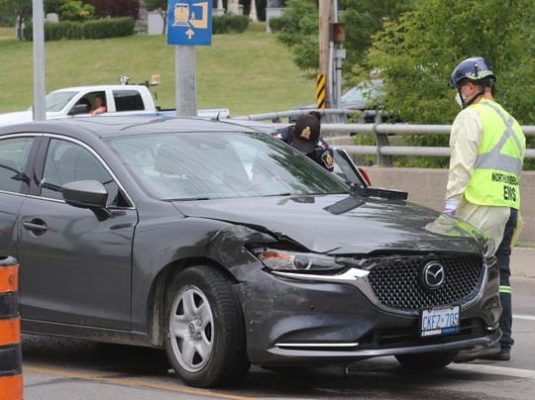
x=487, y=151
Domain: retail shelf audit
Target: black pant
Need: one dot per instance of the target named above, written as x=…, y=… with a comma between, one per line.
x=503, y=254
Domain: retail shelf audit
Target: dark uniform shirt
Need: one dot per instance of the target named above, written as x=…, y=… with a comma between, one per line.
x=322, y=154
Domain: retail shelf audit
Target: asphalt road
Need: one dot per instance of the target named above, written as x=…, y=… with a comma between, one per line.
x=57, y=369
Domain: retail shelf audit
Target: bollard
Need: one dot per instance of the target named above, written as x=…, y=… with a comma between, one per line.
x=10, y=350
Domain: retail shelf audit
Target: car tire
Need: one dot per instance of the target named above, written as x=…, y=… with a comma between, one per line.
x=204, y=328
x=426, y=361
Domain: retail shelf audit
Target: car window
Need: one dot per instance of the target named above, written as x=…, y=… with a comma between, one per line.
x=13, y=157
x=56, y=101
x=68, y=162
x=128, y=100
x=89, y=99
x=220, y=165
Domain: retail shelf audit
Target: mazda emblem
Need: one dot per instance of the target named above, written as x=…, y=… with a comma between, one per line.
x=433, y=275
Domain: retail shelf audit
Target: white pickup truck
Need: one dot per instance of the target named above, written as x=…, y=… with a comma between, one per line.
x=118, y=99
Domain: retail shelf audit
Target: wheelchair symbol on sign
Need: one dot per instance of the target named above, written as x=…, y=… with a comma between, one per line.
x=184, y=16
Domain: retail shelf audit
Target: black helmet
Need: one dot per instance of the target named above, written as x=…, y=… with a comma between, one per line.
x=474, y=69
x=305, y=133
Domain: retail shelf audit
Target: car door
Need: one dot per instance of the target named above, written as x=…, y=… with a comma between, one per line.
x=15, y=153
x=88, y=99
x=76, y=264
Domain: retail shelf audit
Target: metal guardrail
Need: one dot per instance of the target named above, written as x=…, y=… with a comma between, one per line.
x=277, y=116
x=383, y=150
x=400, y=129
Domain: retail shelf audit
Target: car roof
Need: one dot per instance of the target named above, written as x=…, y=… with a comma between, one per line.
x=98, y=87
x=108, y=126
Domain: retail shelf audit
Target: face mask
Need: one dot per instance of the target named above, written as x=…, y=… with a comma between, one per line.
x=459, y=100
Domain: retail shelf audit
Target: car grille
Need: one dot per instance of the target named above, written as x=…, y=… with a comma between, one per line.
x=397, y=283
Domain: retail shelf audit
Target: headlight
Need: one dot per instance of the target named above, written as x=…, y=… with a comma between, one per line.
x=282, y=260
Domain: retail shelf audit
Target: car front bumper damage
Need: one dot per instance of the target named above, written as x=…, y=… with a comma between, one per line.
x=292, y=320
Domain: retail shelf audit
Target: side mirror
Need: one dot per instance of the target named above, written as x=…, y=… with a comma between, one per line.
x=85, y=194
x=346, y=169
x=80, y=109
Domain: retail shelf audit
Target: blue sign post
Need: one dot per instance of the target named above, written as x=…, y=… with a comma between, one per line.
x=189, y=22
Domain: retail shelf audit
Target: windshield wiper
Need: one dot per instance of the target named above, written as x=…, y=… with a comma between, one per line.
x=370, y=191
x=189, y=199
x=279, y=194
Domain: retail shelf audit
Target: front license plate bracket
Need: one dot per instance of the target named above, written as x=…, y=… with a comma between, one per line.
x=439, y=321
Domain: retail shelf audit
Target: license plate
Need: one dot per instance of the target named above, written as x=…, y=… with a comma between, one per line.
x=439, y=321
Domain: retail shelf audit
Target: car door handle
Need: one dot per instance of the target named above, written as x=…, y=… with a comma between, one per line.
x=36, y=226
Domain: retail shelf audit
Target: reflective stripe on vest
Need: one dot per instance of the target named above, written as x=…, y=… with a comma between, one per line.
x=496, y=176
x=495, y=159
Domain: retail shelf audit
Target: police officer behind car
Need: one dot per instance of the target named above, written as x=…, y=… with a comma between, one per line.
x=305, y=137
x=487, y=151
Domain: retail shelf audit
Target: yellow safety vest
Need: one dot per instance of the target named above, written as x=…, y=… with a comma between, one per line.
x=496, y=175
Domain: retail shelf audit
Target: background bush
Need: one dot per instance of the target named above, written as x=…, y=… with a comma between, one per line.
x=229, y=23
x=95, y=29
x=276, y=24
x=299, y=32
x=76, y=11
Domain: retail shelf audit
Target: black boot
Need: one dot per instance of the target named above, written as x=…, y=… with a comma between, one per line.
x=498, y=354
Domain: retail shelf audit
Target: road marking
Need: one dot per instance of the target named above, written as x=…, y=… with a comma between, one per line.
x=492, y=369
x=135, y=383
x=526, y=317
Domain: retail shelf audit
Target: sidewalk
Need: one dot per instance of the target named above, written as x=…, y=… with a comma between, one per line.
x=522, y=262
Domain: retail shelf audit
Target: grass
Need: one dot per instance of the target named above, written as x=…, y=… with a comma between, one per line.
x=7, y=33
x=247, y=73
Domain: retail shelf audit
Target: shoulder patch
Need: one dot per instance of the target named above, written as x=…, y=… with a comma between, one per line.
x=327, y=159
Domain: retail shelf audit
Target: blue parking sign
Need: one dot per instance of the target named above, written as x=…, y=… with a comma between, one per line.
x=189, y=22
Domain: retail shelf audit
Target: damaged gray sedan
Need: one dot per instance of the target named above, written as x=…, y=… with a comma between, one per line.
x=228, y=248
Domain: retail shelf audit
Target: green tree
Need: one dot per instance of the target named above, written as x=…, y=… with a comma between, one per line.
x=300, y=23
x=53, y=6
x=417, y=54
x=17, y=11
x=299, y=32
x=363, y=18
x=77, y=11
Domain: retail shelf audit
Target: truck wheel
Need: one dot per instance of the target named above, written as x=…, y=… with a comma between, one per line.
x=204, y=329
x=428, y=361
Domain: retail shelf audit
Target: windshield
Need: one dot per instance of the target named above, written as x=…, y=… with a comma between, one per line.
x=56, y=101
x=199, y=166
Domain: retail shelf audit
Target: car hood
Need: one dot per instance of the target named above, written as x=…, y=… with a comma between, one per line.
x=338, y=224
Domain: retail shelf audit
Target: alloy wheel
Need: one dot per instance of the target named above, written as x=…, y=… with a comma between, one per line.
x=191, y=327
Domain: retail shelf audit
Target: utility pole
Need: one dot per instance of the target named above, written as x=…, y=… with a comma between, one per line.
x=338, y=55
x=39, y=90
x=324, y=53
x=189, y=25
x=186, y=87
